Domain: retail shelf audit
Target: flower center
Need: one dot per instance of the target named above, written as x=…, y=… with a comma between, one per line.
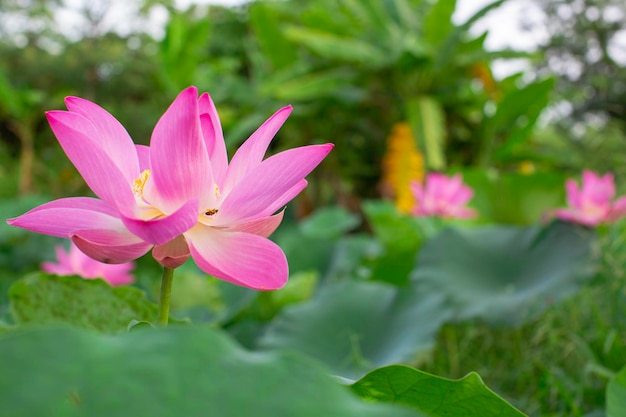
x=140, y=182
x=145, y=210
x=593, y=211
x=207, y=214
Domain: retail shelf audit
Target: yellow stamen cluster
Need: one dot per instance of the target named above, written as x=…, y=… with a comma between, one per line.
x=140, y=182
x=402, y=164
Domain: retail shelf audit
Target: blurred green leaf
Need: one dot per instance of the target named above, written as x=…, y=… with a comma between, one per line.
x=292, y=85
x=355, y=326
x=182, y=50
x=194, y=287
x=139, y=325
x=93, y=304
x=309, y=246
x=432, y=395
x=299, y=288
x=448, y=49
x=338, y=85
x=305, y=253
x=427, y=119
x=393, y=265
x=517, y=114
x=372, y=14
x=399, y=238
x=616, y=395
x=506, y=275
x=266, y=25
x=235, y=300
x=438, y=22
x=329, y=223
x=20, y=249
x=350, y=256
x=516, y=198
x=331, y=46
x=10, y=99
x=391, y=227
x=169, y=372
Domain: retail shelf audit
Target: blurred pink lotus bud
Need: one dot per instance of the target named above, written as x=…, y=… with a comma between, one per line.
x=592, y=203
x=442, y=196
x=76, y=262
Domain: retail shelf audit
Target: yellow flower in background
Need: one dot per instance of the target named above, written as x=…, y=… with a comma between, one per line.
x=526, y=167
x=403, y=163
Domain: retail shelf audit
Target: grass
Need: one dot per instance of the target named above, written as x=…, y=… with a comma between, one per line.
x=559, y=364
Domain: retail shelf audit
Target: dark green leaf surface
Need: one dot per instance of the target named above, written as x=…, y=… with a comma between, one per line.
x=616, y=395
x=330, y=46
x=356, y=326
x=310, y=246
x=438, y=22
x=506, y=275
x=515, y=198
x=433, y=395
x=392, y=228
x=427, y=119
x=399, y=238
x=91, y=304
x=266, y=25
x=329, y=223
x=174, y=372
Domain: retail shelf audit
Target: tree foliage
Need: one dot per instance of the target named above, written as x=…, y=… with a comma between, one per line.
x=586, y=47
x=351, y=69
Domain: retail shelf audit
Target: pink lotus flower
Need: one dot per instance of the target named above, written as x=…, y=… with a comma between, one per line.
x=592, y=204
x=75, y=262
x=180, y=196
x=442, y=196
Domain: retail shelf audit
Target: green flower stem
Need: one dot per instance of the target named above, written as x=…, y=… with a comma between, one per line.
x=166, y=292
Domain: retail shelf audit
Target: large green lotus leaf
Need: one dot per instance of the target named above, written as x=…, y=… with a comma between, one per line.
x=204, y=299
x=329, y=222
x=515, y=198
x=42, y=299
x=351, y=254
x=399, y=238
x=616, y=395
x=506, y=274
x=310, y=245
x=303, y=252
x=391, y=227
x=192, y=287
x=432, y=395
x=184, y=371
x=354, y=326
x=299, y=288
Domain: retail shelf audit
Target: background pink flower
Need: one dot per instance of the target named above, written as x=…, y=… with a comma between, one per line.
x=592, y=203
x=442, y=196
x=74, y=262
